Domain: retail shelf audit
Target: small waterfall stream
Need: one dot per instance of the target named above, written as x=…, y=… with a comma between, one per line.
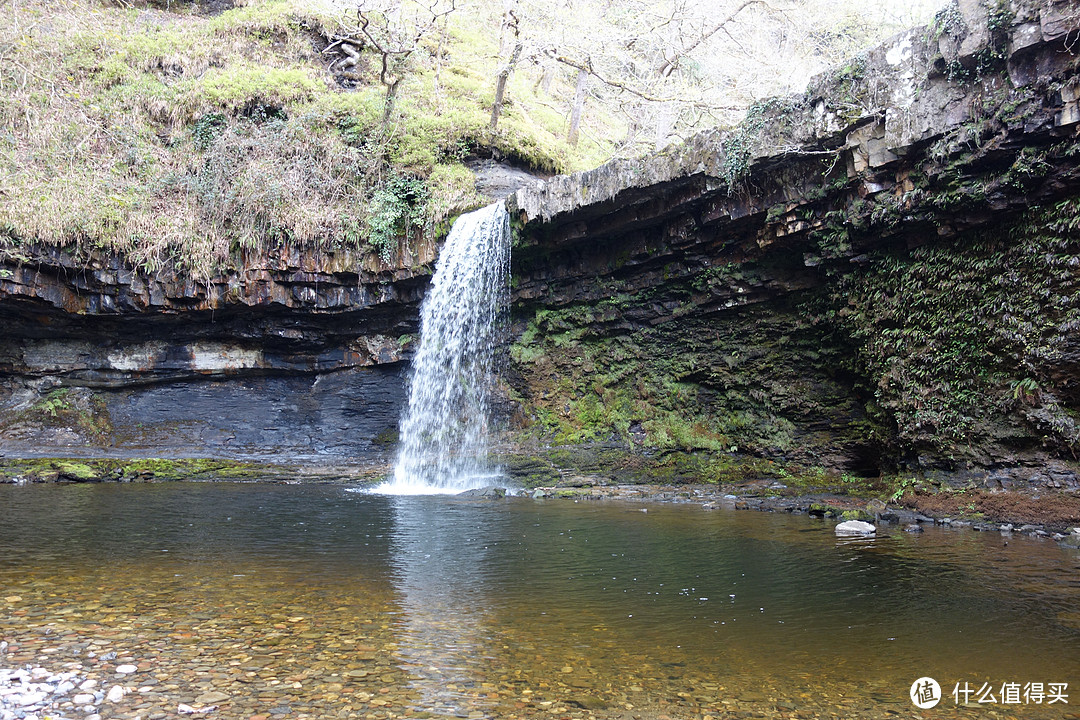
x=443, y=434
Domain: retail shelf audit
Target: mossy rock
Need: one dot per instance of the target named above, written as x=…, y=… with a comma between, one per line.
x=78, y=472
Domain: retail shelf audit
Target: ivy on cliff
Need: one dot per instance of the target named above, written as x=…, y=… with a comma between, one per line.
x=959, y=337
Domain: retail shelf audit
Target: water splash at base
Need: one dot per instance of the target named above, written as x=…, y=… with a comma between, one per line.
x=444, y=430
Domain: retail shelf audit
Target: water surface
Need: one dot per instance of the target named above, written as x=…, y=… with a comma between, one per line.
x=312, y=601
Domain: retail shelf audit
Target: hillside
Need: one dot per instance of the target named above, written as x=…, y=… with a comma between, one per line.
x=191, y=135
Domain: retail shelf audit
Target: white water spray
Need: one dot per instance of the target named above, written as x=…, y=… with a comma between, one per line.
x=444, y=430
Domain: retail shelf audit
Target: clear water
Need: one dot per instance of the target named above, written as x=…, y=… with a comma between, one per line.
x=445, y=426
x=338, y=604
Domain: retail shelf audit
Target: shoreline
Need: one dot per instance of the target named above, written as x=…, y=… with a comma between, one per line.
x=1051, y=515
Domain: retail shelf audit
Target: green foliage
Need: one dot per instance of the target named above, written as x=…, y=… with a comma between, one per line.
x=396, y=209
x=207, y=129
x=953, y=334
x=987, y=60
x=67, y=407
x=54, y=403
x=763, y=120
x=948, y=20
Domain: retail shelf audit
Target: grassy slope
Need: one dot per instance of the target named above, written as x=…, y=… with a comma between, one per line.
x=174, y=137
x=166, y=135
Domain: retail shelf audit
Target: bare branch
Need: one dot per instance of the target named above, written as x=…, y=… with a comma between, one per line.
x=588, y=68
x=669, y=66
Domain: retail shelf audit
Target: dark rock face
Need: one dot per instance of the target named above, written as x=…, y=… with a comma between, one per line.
x=296, y=355
x=324, y=417
x=880, y=274
x=496, y=180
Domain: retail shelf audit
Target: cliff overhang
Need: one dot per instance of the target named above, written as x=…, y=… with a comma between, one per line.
x=877, y=275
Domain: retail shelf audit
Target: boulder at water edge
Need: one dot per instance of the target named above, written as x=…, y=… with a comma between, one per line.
x=489, y=493
x=855, y=527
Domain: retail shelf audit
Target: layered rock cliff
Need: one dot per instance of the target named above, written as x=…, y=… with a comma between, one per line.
x=296, y=354
x=881, y=274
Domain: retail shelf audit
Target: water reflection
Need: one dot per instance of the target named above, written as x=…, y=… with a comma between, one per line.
x=441, y=555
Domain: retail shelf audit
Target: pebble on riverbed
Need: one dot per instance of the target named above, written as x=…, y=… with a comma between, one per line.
x=27, y=691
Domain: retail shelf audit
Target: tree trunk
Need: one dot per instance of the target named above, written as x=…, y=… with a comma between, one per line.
x=544, y=82
x=508, y=30
x=388, y=107
x=665, y=122
x=575, y=110
x=500, y=85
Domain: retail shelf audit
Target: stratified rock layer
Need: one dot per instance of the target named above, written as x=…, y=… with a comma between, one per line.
x=880, y=274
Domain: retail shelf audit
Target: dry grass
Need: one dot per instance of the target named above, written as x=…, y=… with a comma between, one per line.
x=176, y=138
x=172, y=137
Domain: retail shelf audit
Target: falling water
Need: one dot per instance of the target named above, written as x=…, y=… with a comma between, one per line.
x=444, y=430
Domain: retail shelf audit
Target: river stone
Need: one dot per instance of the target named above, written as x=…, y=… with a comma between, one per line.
x=115, y=694
x=126, y=669
x=211, y=698
x=488, y=493
x=855, y=527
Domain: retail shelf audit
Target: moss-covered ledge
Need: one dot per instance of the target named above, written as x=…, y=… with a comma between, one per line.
x=22, y=471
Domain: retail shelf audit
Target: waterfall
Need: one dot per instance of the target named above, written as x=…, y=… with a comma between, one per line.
x=443, y=434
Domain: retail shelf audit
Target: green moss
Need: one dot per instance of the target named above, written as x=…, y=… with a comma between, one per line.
x=242, y=86
x=386, y=438
x=142, y=470
x=79, y=472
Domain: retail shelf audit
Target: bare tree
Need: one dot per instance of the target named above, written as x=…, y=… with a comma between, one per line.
x=509, y=26
x=394, y=31
x=577, y=107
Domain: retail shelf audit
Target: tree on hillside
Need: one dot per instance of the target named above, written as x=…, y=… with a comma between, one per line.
x=393, y=29
x=634, y=50
x=510, y=36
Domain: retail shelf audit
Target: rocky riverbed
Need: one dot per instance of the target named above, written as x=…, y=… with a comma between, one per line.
x=75, y=658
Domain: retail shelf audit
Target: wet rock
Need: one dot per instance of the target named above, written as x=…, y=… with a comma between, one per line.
x=211, y=698
x=486, y=493
x=913, y=528
x=586, y=702
x=855, y=527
